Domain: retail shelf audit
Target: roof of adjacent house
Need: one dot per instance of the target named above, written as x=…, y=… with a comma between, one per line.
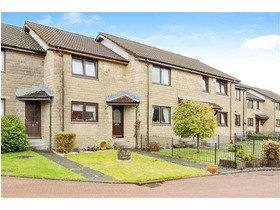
x=59, y=38
x=166, y=57
x=15, y=37
x=267, y=93
x=253, y=97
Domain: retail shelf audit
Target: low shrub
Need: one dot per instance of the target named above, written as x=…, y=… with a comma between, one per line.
x=65, y=142
x=231, y=148
x=109, y=144
x=13, y=137
x=152, y=147
x=270, y=150
x=244, y=156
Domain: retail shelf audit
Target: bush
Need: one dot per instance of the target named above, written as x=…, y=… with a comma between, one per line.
x=245, y=156
x=13, y=137
x=152, y=147
x=109, y=144
x=65, y=142
x=231, y=148
x=270, y=150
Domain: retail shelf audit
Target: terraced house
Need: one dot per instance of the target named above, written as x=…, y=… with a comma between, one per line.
x=107, y=87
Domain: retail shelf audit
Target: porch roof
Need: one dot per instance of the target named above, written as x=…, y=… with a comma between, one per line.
x=262, y=116
x=38, y=93
x=202, y=100
x=123, y=97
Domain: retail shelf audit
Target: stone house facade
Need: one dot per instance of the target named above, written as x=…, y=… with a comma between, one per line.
x=105, y=88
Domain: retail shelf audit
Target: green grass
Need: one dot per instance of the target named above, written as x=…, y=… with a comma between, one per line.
x=140, y=168
x=34, y=166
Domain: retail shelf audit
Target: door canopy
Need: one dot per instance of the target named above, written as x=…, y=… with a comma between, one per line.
x=35, y=93
x=123, y=98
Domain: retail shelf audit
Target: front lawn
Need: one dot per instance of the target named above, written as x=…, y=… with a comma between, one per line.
x=32, y=164
x=140, y=168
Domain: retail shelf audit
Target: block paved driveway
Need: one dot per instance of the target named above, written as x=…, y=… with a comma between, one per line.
x=257, y=184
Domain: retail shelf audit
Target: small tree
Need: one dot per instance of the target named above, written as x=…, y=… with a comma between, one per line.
x=193, y=118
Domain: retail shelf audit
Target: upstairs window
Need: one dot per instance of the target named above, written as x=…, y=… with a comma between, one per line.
x=205, y=84
x=84, y=67
x=161, y=75
x=222, y=118
x=277, y=106
x=221, y=87
x=237, y=94
x=161, y=115
x=2, y=61
x=250, y=104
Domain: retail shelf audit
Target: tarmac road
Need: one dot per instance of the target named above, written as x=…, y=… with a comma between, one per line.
x=256, y=184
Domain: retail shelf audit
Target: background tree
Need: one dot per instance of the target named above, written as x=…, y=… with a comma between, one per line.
x=193, y=118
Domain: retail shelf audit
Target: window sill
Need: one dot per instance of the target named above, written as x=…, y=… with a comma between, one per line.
x=222, y=126
x=205, y=91
x=84, y=122
x=161, y=124
x=154, y=83
x=84, y=77
x=221, y=94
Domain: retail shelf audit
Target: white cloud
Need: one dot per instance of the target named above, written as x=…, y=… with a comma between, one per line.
x=79, y=18
x=267, y=42
x=46, y=20
x=113, y=27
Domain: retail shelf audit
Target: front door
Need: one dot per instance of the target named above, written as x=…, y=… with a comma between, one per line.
x=118, y=121
x=33, y=118
x=257, y=125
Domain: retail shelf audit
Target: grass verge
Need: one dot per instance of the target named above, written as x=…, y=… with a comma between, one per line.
x=32, y=164
x=140, y=168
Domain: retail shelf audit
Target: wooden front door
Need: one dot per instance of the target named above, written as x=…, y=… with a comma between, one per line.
x=118, y=121
x=33, y=118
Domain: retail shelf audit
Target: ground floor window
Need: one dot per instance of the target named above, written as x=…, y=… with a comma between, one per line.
x=277, y=122
x=161, y=114
x=250, y=122
x=222, y=118
x=237, y=120
x=3, y=108
x=84, y=111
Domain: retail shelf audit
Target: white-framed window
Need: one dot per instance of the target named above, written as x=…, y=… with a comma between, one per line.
x=161, y=114
x=3, y=107
x=221, y=86
x=161, y=75
x=84, y=67
x=237, y=120
x=237, y=94
x=222, y=118
x=250, y=122
x=84, y=111
x=2, y=61
x=250, y=104
x=205, y=84
x=277, y=122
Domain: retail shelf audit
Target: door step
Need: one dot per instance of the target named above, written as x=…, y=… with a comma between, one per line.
x=38, y=144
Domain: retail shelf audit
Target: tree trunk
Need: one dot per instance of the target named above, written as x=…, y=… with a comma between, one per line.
x=197, y=144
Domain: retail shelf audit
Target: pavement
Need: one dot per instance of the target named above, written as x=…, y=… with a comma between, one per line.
x=96, y=176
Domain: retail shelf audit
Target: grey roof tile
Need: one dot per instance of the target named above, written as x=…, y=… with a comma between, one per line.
x=76, y=42
x=14, y=36
x=33, y=90
x=159, y=55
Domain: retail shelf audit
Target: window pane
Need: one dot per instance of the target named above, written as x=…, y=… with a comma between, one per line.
x=222, y=118
x=165, y=76
x=2, y=61
x=77, y=66
x=117, y=116
x=223, y=88
x=156, y=114
x=2, y=107
x=156, y=75
x=165, y=115
x=90, y=69
x=218, y=90
x=90, y=112
x=204, y=84
x=77, y=111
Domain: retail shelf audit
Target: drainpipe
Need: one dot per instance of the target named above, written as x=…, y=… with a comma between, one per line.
x=50, y=124
x=62, y=89
x=148, y=102
x=230, y=110
x=243, y=117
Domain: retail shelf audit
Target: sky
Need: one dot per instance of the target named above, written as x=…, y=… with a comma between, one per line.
x=245, y=45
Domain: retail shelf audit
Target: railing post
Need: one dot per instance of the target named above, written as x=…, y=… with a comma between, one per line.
x=215, y=153
x=218, y=141
x=235, y=148
x=172, y=146
x=141, y=140
x=253, y=146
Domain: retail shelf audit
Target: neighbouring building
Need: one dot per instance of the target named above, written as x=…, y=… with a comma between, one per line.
x=109, y=87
